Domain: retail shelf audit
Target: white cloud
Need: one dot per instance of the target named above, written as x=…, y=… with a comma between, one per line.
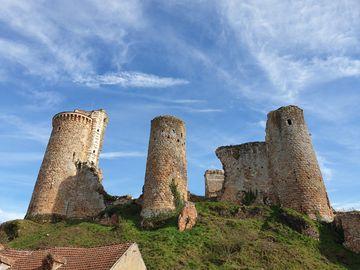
x=186, y=101
x=8, y=215
x=15, y=157
x=54, y=44
x=347, y=206
x=298, y=43
x=326, y=170
x=130, y=79
x=119, y=154
x=204, y=110
x=26, y=130
x=262, y=123
x=41, y=100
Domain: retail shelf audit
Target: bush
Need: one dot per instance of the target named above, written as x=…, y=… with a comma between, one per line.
x=249, y=197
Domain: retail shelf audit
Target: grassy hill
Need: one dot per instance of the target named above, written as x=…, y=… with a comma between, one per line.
x=226, y=237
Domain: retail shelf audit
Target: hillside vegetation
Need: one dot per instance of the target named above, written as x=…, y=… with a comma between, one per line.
x=226, y=237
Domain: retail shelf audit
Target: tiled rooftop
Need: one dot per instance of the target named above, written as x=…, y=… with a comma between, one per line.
x=97, y=258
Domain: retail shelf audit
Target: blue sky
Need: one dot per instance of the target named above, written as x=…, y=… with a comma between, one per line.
x=218, y=65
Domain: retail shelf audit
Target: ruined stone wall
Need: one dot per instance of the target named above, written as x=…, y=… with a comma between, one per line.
x=349, y=222
x=293, y=166
x=246, y=169
x=166, y=164
x=82, y=194
x=99, y=123
x=68, y=145
x=214, y=180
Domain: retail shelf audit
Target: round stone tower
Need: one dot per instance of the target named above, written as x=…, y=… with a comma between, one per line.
x=293, y=166
x=166, y=174
x=68, y=145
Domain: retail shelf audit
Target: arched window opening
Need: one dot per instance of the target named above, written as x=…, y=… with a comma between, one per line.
x=289, y=122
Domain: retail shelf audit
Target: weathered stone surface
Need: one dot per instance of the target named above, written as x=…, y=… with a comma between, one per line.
x=282, y=170
x=188, y=216
x=246, y=170
x=122, y=200
x=165, y=167
x=112, y=220
x=214, y=180
x=293, y=167
x=76, y=138
x=349, y=222
x=81, y=194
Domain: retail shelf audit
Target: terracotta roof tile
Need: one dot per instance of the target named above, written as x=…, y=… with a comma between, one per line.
x=97, y=258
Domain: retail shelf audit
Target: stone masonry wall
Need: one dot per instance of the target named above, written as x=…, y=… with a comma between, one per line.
x=81, y=194
x=68, y=145
x=293, y=166
x=99, y=123
x=214, y=180
x=166, y=164
x=246, y=170
x=349, y=222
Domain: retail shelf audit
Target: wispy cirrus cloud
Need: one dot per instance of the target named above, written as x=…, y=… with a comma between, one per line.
x=11, y=158
x=298, y=43
x=55, y=45
x=325, y=166
x=25, y=130
x=122, y=154
x=42, y=100
x=203, y=110
x=347, y=205
x=130, y=79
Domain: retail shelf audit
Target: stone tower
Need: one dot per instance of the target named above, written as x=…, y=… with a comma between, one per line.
x=69, y=178
x=293, y=166
x=165, y=167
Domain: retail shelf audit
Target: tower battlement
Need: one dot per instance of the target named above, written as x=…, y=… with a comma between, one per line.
x=63, y=116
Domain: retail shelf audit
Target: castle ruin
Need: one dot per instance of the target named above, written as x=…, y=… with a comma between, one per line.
x=214, y=180
x=166, y=168
x=69, y=180
x=282, y=170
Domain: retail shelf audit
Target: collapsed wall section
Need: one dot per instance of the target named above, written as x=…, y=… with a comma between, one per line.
x=166, y=170
x=82, y=194
x=246, y=170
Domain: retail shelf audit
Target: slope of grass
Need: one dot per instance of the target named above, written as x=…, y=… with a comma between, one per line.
x=222, y=239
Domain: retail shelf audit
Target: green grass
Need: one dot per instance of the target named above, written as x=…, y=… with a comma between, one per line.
x=222, y=239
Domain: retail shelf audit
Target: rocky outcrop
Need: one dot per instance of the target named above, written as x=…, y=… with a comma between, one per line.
x=188, y=216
